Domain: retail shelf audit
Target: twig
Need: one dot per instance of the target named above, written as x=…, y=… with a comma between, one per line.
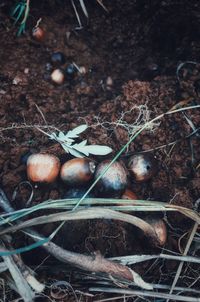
x=25, y=126
x=96, y=264
x=184, y=254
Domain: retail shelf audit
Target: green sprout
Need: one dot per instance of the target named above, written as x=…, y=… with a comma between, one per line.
x=20, y=14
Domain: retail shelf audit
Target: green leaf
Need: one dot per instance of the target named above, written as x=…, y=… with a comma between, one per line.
x=97, y=150
x=65, y=147
x=53, y=135
x=75, y=153
x=15, y=10
x=19, y=14
x=76, y=131
x=92, y=149
x=26, y=248
x=80, y=148
x=61, y=136
x=83, y=143
x=21, y=29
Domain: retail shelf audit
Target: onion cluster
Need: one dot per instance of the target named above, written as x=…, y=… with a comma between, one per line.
x=113, y=179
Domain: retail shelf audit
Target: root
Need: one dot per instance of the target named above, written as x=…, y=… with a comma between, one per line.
x=143, y=117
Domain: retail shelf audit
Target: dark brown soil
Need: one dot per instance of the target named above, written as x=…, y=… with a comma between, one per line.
x=139, y=45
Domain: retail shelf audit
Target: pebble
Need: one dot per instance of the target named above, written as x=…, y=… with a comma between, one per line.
x=109, y=81
x=26, y=70
x=16, y=80
x=82, y=70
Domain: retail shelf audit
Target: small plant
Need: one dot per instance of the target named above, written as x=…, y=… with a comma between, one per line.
x=22, y=8
x=81, y=149
x=21, y=12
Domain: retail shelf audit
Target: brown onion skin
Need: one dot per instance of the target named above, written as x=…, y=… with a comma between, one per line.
x=38, y=34
x=77, y=171
x=113, y=183
x=43, y=168
x=130, y=195
x=142, y=166
x=160, y=229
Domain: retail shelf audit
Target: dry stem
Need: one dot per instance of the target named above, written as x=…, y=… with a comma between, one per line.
x=92, y=213
x=95, y=264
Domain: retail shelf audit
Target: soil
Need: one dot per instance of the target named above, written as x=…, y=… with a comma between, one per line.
x=132, y=56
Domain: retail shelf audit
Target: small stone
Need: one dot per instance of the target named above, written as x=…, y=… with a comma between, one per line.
x=82, y=70
x=26, y=70
x=16, y=80
x=109, y=81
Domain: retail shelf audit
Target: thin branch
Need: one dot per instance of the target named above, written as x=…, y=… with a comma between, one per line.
x=96, y=264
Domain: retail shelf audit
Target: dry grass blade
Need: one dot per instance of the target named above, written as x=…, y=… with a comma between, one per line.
x=77, y=15
x=26, y=273
x=142, y=294
x=97, y=264
x=128, y=205
x=129, y=260
x=181, y=104
x=92, y=213
x=22, y=285
x=4, y=203
x=101, y=3
x=3, y=267
x=186, y=212
x=191, y=237
x=83, y=8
